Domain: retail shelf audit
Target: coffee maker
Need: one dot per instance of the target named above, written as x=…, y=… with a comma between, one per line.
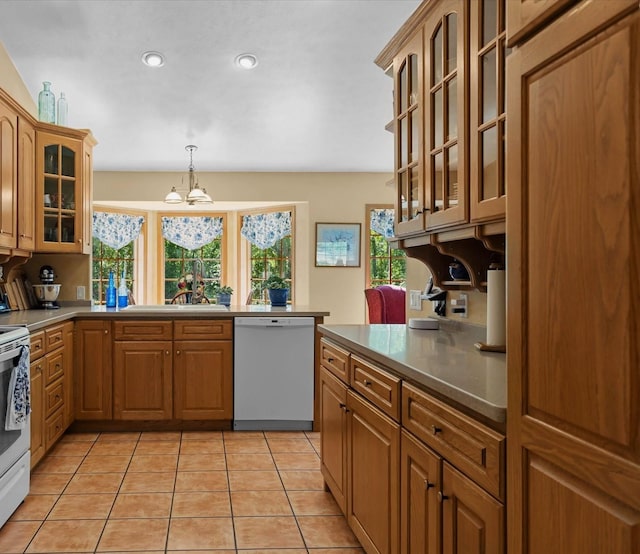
x=47, y=292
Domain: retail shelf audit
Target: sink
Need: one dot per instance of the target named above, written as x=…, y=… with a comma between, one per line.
x=176, y=308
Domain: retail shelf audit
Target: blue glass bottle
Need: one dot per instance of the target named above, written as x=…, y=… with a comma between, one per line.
x=47, y=104
x=111, y=291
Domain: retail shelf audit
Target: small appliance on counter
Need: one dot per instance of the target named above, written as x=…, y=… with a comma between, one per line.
x=47, y=292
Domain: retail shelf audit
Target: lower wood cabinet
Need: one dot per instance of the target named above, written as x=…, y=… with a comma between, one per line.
x=94, y=373
x=333, y=438
x=374, y=463
x=37, y=410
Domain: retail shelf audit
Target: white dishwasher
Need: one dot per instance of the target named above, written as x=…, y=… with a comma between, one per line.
x=273, y=373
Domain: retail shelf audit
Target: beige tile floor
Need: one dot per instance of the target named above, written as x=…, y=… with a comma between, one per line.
x=204, y=492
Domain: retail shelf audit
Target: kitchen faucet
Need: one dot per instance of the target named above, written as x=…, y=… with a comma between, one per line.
x=198, y=281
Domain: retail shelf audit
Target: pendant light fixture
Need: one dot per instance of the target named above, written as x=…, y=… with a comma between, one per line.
x=196, y=195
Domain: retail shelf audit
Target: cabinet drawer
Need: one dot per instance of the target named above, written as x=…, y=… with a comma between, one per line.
x=53, y=397
x=37, y=345
x=335, y=359
x=377, y=386
x=54, y=368
x=210, y=329
x=53, y=337
x=474, y=449
x=54, y=427
x=142, y=330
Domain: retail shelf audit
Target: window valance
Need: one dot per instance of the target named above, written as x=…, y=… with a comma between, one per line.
x=382, y=222
x=264, y=230
x=116, y=230
x=191, y=232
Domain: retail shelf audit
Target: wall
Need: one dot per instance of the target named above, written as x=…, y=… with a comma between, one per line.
x=13, y=84
x=328, y=197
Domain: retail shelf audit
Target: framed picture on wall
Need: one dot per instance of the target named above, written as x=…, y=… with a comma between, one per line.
x=337, y=244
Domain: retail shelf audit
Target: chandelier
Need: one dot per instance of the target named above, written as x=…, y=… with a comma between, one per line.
x=196, y=195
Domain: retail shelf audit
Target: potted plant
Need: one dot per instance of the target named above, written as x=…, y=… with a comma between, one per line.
x=278, y=290
x=223, y=294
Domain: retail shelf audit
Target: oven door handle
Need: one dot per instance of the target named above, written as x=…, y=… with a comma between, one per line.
x=10, y=354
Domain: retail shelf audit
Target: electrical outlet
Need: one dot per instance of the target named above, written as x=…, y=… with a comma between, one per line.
x=415, y=300
x=460, y=306
x=79, y=293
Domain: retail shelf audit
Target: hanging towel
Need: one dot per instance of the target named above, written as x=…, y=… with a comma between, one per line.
x=19, y=394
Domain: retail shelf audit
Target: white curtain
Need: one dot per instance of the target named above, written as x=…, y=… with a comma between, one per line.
x=116, y=230
x=191, y=232
x=264, y=230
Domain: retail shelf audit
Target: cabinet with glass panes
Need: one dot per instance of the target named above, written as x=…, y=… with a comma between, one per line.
x=448, y=64
x=64, y=190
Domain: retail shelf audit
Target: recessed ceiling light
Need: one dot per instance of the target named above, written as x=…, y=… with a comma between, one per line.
x=246, y=61
x=153, y=59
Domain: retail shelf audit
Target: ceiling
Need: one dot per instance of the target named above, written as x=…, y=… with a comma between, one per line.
x=315, y=102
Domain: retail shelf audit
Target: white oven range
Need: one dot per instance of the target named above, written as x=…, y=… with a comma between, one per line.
x=14, y=445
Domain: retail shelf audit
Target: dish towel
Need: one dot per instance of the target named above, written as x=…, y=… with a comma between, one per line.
x=19, y=394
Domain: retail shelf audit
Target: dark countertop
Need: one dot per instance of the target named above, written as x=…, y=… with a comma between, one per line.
x=444, y=361
x=37, y=319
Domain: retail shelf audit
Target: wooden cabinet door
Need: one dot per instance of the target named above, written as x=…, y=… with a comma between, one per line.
x=203, y=379
x=487, y=110
x=37, y=410
x=69, y=414
x=446, y=114
x=374, y=476
x=142, y=380
x=93, y=375
x=473, y=522
x=574, y=285
x=420, y=514
x=26, y=185
x=524, y=17
x=333, y=439
x=8, y=175
x=408, y=130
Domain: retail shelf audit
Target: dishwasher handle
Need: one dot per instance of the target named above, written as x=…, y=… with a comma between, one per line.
x=274, y=322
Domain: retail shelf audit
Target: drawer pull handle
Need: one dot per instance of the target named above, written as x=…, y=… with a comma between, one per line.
x=57, y=366
x=344, y=408
x=367, y=383
x=57, y=397
x=442, y=497
x=330, y=360
x=428, y=484
x=435, y=430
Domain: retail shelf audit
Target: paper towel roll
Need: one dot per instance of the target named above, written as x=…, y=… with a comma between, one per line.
x=496, y=308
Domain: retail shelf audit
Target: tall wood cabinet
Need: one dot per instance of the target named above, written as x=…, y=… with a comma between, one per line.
x=574, y=281
x=8, y=175
x=26, y=185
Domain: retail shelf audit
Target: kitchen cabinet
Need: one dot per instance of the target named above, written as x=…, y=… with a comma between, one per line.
x=525, y=16
x=37, y=397
x=8, y=175
x=26, y=185
x=573, y=349
x=203, y=370
x=68, y=331
x=50, y=380
x=64, y=189
x=142, y=370
x=487, y=110
x=94, y=372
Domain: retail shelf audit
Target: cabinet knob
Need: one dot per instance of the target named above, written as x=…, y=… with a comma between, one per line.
x=344, y=408
x=177, y=352
x=442, y=497
x=57, y=397
x=39, y=368
x=166, y=352
x=428, y=484
x=106, y=332
x=367, y=383
x=435, y=430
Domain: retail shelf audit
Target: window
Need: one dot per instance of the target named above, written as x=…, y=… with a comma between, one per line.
x=276, y=260
x=386, y=266
x=178, y=262
x=271, y=241
x=118, y=239
x=106, y=259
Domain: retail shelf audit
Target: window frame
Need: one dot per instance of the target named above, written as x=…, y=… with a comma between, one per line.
x=368, y=209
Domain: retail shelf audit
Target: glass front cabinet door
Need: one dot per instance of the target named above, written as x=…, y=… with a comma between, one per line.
x=63, y=193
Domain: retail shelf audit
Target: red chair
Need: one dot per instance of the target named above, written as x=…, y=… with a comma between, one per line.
x=386, y=304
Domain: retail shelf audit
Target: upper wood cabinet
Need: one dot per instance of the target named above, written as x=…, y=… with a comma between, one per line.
x=64, y=191
x=487, y=122
x=26, y=185
x=8, y=175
